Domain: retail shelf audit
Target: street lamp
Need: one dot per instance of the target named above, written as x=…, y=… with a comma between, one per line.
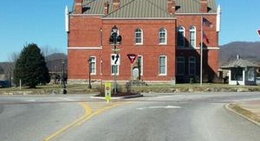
x=89, y=73
x=114, y=40
x=64, y=91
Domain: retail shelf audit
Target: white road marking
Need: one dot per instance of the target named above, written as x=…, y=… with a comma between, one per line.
x=30, y=100
x=66, y=99
x=159, y=107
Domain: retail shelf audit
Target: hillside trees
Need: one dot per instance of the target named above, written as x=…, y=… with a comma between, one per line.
x=30, y=67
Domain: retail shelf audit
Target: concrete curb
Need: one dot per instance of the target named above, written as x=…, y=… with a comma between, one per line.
x=118, y=98
x=241, y=115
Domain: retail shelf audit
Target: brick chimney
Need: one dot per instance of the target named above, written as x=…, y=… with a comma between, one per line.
x=116, y=4
x=171, y=6
x=78, y=6
x=106, y=8
x=204, y=6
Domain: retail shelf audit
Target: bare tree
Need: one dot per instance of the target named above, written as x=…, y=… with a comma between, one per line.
x=9, y=66
x=46, y=51
x=13, y=57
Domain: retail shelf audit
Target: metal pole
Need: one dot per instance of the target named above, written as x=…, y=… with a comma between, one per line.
x=115, y=71
x=10, y=78
x=63, y=79
x=201, y=51
x=115, y=85
x=114, y=39
x=131, y=80
x=20, y=83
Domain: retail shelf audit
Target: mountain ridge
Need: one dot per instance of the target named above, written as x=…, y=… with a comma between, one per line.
x=246, y=50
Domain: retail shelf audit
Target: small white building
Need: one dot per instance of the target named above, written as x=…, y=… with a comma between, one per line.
x=241, y=72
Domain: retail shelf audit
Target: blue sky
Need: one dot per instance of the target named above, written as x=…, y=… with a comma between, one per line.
x=42, y=22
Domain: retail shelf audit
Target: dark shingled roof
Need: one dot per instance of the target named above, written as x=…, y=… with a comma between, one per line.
x=239, y=63
x=145, y=8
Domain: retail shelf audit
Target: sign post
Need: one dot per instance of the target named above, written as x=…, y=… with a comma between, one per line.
x=114, y=40
x=107, y=91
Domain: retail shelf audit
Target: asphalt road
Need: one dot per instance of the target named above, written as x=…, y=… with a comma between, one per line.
x=155, y=117
x=33, y=118
x=186, y=117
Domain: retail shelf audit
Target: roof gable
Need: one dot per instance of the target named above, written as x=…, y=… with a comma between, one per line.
x=141, y=9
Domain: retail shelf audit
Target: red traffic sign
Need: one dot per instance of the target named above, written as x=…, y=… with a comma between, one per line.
x=258, y=32
x=131, y=57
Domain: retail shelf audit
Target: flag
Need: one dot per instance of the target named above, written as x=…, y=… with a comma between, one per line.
x=205, y=37
x=206, y=23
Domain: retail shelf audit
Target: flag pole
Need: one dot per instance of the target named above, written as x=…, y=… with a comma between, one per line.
x=201, y=49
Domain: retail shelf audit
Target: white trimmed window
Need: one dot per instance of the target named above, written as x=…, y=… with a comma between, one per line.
x=181, y=36
x=192, y=65
x=162, y=65
x=114, y=70
x=180, y=65
x=138, y=36
x=192, y=36
x=162, y=36
x=92, y=65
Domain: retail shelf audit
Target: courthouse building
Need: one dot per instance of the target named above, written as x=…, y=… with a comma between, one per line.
x=165, y=35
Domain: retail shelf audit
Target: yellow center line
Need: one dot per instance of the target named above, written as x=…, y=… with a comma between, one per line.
x=102, y=110
x=87, y=115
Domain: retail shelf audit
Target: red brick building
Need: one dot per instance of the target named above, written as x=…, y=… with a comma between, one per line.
x=165, y=34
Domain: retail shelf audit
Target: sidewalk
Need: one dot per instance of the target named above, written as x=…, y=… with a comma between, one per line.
x=250, y=110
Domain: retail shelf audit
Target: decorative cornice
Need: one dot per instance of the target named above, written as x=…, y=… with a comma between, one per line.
x=144, y=18
x=85, y=48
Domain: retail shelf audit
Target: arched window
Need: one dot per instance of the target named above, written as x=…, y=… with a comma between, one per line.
x=181, y=36
x=162, y=36
x=139, y=36
x=193, y=36
x=192, y=65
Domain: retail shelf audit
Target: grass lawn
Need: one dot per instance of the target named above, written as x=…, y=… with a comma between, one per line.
x=158, y=88
x=245, y=112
